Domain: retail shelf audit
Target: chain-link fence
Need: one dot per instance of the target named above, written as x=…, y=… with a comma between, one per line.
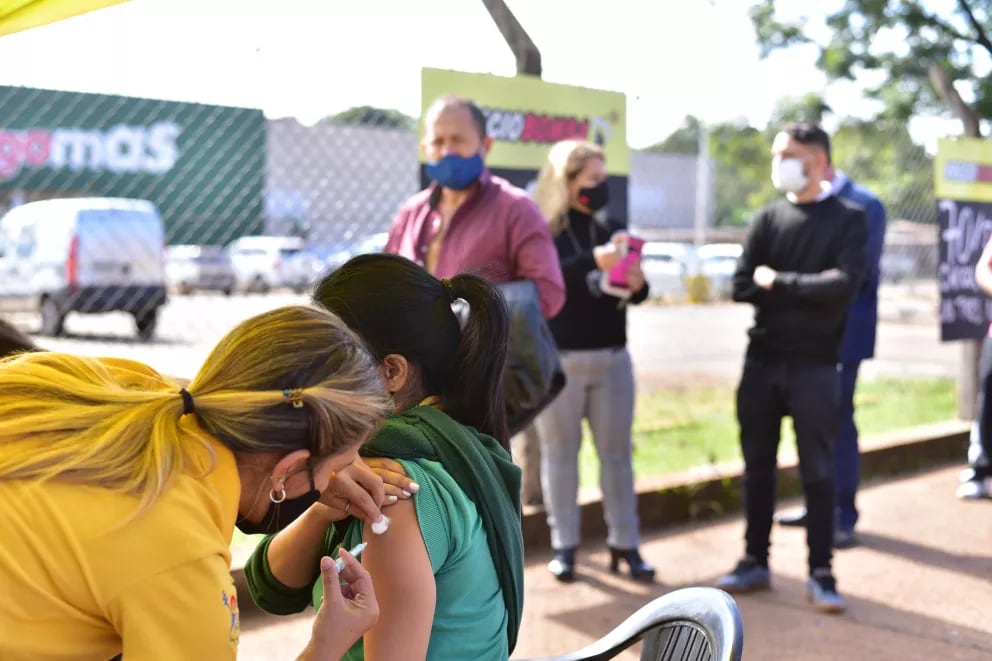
x=242, y=205
x=664, y=202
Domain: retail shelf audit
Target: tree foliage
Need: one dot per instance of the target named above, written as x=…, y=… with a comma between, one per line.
x=740, y=156
x=927, y=55
x=683, y=140
x=371, y=116
x=879, y=154
x=808, y=108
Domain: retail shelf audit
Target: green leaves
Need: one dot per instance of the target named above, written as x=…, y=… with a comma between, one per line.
x=370, y=116
x=879, y=153
x=773, y=34
x=684, y=140
x=901, y=40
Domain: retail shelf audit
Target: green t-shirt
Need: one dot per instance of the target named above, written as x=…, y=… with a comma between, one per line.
x=468, y=508
x=470, y=615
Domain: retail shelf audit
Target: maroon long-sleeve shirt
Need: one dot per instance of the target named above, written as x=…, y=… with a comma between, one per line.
x=498, y=233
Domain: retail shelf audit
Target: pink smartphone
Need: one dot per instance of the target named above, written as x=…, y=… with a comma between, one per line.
x=618, y=274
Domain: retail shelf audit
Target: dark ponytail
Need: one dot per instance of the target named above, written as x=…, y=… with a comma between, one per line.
x=13, y=341
x=399, y=308
x=476, y=396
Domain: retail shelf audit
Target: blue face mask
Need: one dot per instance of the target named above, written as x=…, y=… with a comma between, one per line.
x=456, y=172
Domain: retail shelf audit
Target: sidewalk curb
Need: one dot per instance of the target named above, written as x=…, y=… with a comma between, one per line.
x=712, y=491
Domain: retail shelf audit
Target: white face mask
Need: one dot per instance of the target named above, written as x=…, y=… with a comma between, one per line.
x=788, y=176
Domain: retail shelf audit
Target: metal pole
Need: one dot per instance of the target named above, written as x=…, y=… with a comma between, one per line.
x=702, y=186
x=968, y=378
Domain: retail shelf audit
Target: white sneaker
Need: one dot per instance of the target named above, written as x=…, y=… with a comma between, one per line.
x=975, y=489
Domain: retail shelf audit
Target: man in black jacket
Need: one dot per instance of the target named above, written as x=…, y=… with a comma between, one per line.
x=802, y=264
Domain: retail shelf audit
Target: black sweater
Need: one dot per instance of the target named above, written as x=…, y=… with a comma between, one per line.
x=590, y=319
x=819, y=252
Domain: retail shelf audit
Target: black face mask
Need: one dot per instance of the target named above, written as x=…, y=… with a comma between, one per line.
x=595, y=198
x=282, y=514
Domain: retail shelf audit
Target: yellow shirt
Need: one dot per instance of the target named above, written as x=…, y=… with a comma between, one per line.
x=75, y=584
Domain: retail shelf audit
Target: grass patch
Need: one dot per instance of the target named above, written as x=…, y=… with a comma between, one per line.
x=680, y=428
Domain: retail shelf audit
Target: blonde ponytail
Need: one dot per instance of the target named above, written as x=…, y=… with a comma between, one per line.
x=116, y=424
x=87, y=421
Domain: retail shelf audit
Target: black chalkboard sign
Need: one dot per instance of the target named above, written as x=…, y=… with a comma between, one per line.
x=965, y=227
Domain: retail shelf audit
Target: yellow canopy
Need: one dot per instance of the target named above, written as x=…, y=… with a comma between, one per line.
x=17, y=15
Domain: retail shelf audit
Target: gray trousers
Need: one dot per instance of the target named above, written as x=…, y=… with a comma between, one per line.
x=526, y=450
x=599, y=388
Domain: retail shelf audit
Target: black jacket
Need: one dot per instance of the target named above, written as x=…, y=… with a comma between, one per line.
x=590, y=319
x=819, y=252
x=533, y=376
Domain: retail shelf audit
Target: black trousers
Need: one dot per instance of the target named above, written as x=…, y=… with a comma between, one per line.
x=980, y=447
x=810, y=395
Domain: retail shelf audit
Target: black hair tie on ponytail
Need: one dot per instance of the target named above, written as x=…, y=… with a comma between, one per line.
x=187, y=402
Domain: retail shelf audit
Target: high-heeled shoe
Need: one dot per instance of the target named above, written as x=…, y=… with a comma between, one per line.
x=562, y=565
x=639, y=569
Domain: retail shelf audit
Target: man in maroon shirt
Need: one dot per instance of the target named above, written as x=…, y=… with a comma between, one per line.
x=469, y=220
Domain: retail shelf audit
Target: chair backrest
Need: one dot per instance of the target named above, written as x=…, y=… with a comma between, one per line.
x=691, y=624
x=679, y=640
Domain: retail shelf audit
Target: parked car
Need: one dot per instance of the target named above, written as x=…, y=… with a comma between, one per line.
x=665, y=266
x=84, y=255
x=298, y=270
x=190, y=268
x=717, y=262
x=372, y=243
x=330, y=253
x=258, y=261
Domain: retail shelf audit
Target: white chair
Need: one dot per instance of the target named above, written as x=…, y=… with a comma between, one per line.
x=691, y=624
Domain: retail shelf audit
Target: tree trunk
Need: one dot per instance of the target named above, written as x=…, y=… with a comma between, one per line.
x=942, y=82
x=523, y=47
x=970, y=349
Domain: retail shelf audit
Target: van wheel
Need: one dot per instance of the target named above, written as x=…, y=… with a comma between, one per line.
x=52, y=318
x=146, y=321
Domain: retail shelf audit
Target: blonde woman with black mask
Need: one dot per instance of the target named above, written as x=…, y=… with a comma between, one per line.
x=122, y=488
x=573, y=192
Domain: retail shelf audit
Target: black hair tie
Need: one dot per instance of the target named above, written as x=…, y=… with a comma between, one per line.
x=187, y=402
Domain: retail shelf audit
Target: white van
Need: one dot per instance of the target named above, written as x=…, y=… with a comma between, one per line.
x=86, y=255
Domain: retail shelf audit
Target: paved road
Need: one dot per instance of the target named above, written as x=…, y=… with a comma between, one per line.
x=670, y=344
x=918, y=587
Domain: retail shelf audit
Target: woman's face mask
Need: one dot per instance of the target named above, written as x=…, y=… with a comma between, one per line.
x=281, y=514
x=595, y=197
x=788, y=175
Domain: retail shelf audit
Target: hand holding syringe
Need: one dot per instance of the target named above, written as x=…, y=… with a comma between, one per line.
x=354, y=553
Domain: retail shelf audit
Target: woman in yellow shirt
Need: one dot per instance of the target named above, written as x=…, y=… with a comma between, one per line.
x=121, y=488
